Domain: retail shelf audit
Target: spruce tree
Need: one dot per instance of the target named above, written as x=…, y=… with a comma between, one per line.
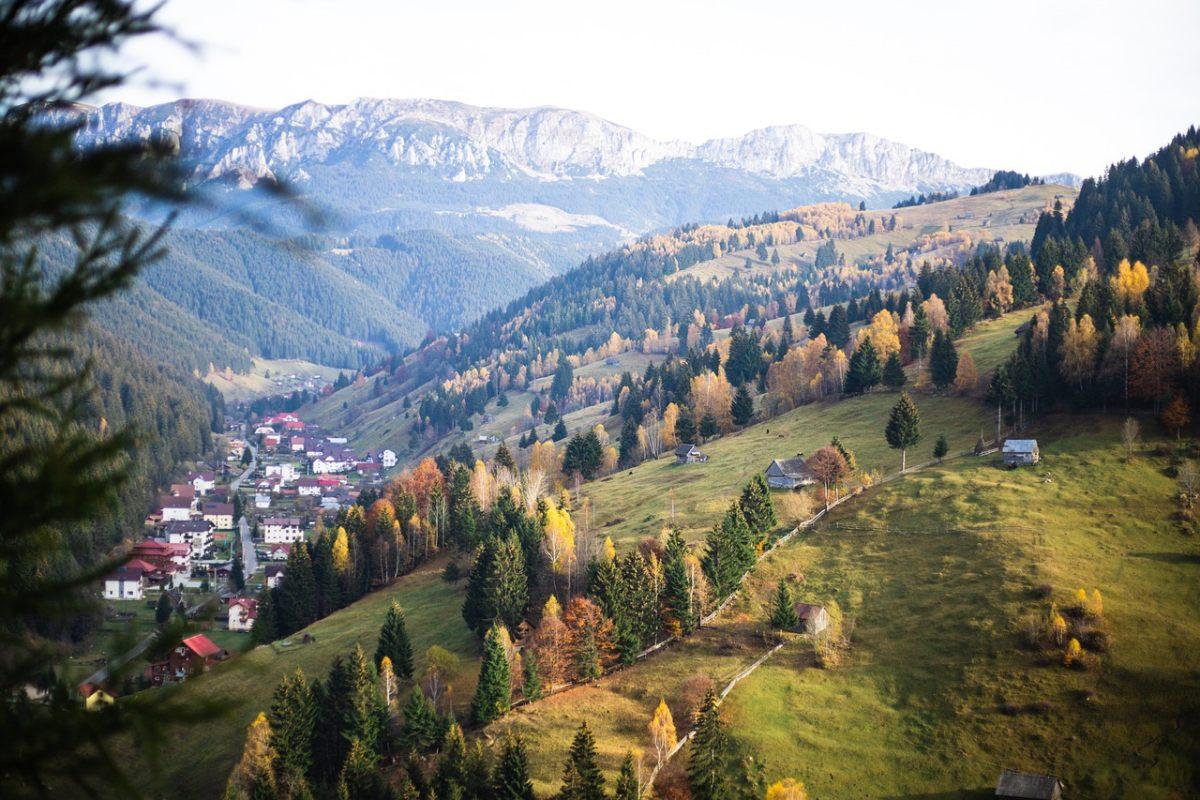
x=943, y=360
x=293, y=725
x=628, y=443
x=449, y=778
x=560, y=431
x=783, y=610
x=504, y=458
x=757, y=506
x=903, y=428
x=865, y=371
x=394, y=642
x=677, y=596
x=582, y=779
x=360, y=778
x=837, y=330
x=163, y=608
x=511, y=778
x=296, y=593
x=418, y=731
x=492, y=692
x=237, y=575
x=364, y=715
x=627, y=782
x=941, y=447
x=707, y=768
x=266, y=623
x=742, y=407
x=531, y=686
x=685, y=427
x=729, y=553
x=893, y=372
x=708, y=427
x=463, y=511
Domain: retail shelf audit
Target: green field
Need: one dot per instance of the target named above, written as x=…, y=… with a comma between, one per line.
x=637, y=502
x=936, y=603
x=255, y=383
x=196, y=759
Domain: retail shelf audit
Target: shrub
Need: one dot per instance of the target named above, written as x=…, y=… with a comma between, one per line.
x=1073, y=654
x=452, y=572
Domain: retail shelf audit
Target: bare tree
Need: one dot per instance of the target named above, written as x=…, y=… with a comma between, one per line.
x=1129, y=437
x=1189, y=483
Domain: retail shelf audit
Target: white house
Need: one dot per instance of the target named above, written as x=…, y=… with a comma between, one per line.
x=175, y=508
x=286, y=471
x=203, y=482
x=264, y=430
x=387, y=458
x=242, y=613
x=273, y=573
x=308, y=487
x=196, y=533
x=219, y=514
x=328, y=463
x=262, y=500
x=277, y=530
x=125, y=583
x=297, y=444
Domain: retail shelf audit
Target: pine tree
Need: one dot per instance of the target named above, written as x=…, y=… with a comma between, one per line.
x=627, y=782
x=504, y=458
x=729, y=553
x=237, y=575
x=163, y=608
x=943, y=360
x=783, y=609
x=266, y=623
x=329, y=590
x=492, y=693
x=360, y=778
x=254, y=776
x=865, y=371
x=904, y=427
x=531, y=685
x=685, y=428
x=293, y=725
x=893, y=372
x=707, y=768
x=628, y=443
x=449, y=779
x=742, y=407
x=463, y=511
x=296, y=593
x=560, y=431
x=364, y=715
x=582, y=779
x=708, y=427
x=677, y=595
x=498, y=587
x=419, y=729
x=511, y=778
x=394, y=642
x=941, y=447
x=757, y=507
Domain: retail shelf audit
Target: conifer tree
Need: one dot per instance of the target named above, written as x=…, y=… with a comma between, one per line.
x=893, y=372
x=783, y=609
x=360, y=778
x=296, y=593
x=943, y=360
x=707, y=767
x=364, y=715
x=730, y=552
x=628, y=443
x=266, y=623
x=504, y=458
x=757, y=507
x=163, y=608
x=742, y=408
x=865, y=371
x=627, y=782
x=419, y=729
x=708, y=427
x=449, y=777
x=903, y=428
x=293, y=725
x=394, y=642
x=531, y=685
x=560, y=431
x=582, y=779
x=237, y=575
x=941, y=447
x=677, y=594
x=254, y=776
x=492, y=694
x=463, y=511
x=685, y=427
x=510, y=780
x=497, y=588
x=329, y=589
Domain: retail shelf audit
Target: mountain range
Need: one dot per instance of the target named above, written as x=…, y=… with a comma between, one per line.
x=432, y=212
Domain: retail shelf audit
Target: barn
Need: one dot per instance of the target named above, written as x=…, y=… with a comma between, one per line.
x=1013, y=785
x=1021, y=452
x=812, y=618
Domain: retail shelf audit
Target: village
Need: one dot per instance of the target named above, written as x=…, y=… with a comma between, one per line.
x=212, y=543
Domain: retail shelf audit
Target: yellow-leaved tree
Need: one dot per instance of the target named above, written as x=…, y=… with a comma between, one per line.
x=1130, y=282
x=254, y=775
x=558, y=543
x=669, y=418
x=1079, y=347
x=787, y=789
x=712, y=395
x=884, y=334
x=341, y=551
x=662, y=731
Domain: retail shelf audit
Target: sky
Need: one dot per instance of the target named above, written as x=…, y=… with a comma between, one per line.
x=1039, y=86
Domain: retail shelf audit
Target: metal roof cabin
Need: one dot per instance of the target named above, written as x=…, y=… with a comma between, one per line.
x=788, y=473
x=1013, y=785
x=1021, y=452
x=689, y=454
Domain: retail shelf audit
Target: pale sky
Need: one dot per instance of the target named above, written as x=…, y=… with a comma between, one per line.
x=1034, y=85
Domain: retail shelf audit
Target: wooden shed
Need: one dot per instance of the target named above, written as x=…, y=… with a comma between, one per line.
x=1013, y=785
x=1021, y=452
x=812, y=618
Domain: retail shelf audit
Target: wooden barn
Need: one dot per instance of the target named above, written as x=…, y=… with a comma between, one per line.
x=812, y=618
x=1021, y=452
x=689, y=454
x=1013, y=785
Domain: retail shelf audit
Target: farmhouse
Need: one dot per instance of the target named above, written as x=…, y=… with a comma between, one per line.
x=242, y=613
x=125, y=583
x=689, y=454
x=282, y=529
x=812, y=618
x=1013, y=785
x=789, y=473
x=190, y=656
x=1021, y=452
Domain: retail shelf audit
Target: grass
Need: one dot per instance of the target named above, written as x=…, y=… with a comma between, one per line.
x=196, y=759
x=637, y=502
x=934, y=573
x=255, y=383
x=916, y=711
x=992, y=341
x=113, y=638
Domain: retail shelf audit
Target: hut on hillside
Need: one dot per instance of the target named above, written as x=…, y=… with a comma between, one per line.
x=1013, y=785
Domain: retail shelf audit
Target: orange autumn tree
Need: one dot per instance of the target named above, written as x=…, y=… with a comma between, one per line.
x=549, y=641
x=589, y=640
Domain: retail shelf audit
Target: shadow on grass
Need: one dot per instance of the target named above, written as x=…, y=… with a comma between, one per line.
x=1170, y=558
x=965, y=794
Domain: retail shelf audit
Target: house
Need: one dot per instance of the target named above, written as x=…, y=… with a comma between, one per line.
x=163, y=556
x=185, y=490
x=264, y=430
x=125, y=583
x=308, y=487
x=262, y=500
x=95, y=698
x=194, y=654
x=327, y=463
x=297, y=444
x=812, y=618
x=219, y=514
x=282, y=529
x=279, y=552
x=689, y=454
x=1021, y=452
x=1013, y=785
x=242, y=613
x=271, y=440
x=387, y=458
x=285, y=472
x=789, y=473
x=273, y=574
x=203, y=481
x=196, y=533
x=175, y=508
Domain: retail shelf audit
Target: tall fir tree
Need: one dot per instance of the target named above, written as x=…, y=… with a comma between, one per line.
x=943, y=360
x=294, y=725
x=296, y=593
x=492, y=693
x=903, y=428
x=729, y=552
x=626, y=787
x=783, y=609
x=463, y=510
x=418, y=731
x=678, y=601
x=266, y=623
x=510, y=781
x=865, y=371
x=708, y=767
x=394, y=642
x=742, y=407
x=757, y=507
x=893, y=372
x=364, y=714
x=582, y=778
x=685, y=427
x=449, y=778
